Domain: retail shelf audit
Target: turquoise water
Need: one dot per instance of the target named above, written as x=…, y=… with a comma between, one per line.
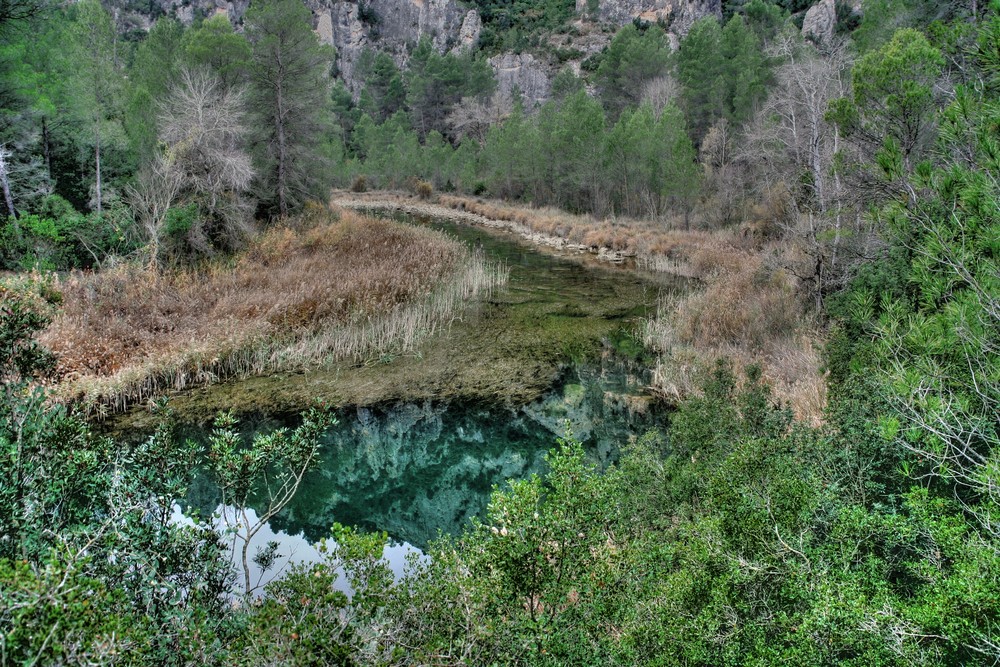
x=414, y=470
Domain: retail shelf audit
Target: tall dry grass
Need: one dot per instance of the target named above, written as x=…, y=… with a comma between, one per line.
x=329, y=287
x=646, y=239
x=750, y=313
x=656, y=244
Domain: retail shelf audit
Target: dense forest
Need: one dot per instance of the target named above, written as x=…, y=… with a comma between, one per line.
x=858, y=174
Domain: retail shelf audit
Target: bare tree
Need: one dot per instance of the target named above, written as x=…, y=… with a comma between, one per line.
x=5, y=181
x=473, y=117
x=792, y=149
x=806, y=84
x=724, y=173
x=151, y=197
x=660, y=92
x=203, y=131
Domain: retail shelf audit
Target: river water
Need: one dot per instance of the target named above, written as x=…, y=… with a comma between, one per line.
x=424, y=463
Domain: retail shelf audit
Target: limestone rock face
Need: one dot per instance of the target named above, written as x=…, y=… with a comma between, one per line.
x=521, y=72
x=393, y=26
x=678, y=14
x=397, y=22
x=340, y=26
x=468, y=35
x=820, y=21
x=186, y=11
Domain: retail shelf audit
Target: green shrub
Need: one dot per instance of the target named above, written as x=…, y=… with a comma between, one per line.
x=57, y=237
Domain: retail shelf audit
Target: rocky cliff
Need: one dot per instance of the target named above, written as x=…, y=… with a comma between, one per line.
x=678, y=15
x=395, y=27
x=820, y=21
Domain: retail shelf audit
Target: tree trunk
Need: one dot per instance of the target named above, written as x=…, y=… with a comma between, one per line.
x=816, y=160
x=5, y=182
x=97, y=164
x=282, y=153
x=46, y=149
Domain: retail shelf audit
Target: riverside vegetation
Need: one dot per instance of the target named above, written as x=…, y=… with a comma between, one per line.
x=838, y=200
x=327, y=287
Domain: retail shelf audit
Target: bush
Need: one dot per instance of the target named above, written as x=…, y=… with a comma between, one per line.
x=848, y=19
x=360, y=184
x=424, y=189
x=57, y=237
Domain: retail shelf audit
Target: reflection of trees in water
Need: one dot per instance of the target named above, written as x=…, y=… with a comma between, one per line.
x=414, y=470
x=417, y=470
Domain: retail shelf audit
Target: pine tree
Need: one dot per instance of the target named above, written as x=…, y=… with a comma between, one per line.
x=290, y=93
x=701, y=72
x=95, y=43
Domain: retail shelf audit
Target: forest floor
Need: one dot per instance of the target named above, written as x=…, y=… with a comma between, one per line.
x=324, y=288
x=749, y=309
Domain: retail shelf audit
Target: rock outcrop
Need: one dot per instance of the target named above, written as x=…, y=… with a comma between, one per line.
x=468, y=35
x=524, y=73
x=677, y=14
x=340, y=26
x=820, y=21
x=395, y=27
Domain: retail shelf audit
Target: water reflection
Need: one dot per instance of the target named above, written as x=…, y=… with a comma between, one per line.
x=418, y=470
x=292, y=549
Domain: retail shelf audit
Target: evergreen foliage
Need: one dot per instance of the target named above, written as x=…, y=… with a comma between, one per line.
x=437, y=82
x=633, y=58
x=513, y=26
x=290, y=94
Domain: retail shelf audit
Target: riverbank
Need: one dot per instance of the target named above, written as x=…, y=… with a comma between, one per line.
x=749, y=309
x=325, y=288
x=647, y=243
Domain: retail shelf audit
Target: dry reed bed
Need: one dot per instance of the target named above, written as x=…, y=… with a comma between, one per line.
x=750, y=313
x=653, y=243
x=297, y=297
